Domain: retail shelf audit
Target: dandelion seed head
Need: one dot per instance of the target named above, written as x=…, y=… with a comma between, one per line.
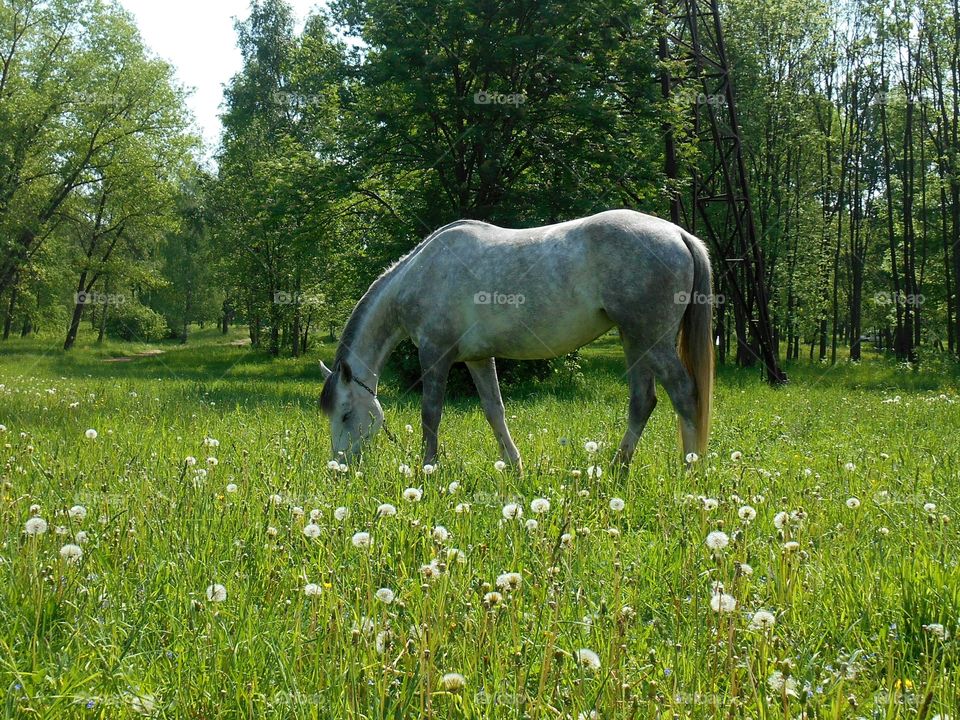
x=588, y=659
x=216, y=593
x=71, y=553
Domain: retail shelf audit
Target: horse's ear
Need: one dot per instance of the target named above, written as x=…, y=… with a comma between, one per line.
x=327, y=372
x=346, y=373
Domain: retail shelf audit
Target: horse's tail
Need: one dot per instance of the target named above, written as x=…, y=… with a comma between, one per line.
x=696, y=336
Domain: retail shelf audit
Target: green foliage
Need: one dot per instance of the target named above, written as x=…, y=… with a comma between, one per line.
x=135, y=322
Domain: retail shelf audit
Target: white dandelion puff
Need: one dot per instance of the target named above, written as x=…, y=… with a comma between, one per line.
x=71, y=553
x=509, y=581
x=361, y=539
x=499, y=466
x=588, y=659
x=763, y=620
x=91, y=434
x=35, y=526
x=747, y=513
x=412, y=494
x=590, y=446
x=341, y=513
x=311, y=530
x=78, y=513
x=512, y=511
x=216, y=593
x=692, y=458
x=429, y=469
x=723, y=603
x=386, y=510
x=539, y=506
x=717, y=540
x=441, y=534
x=453, y=682
x=853, y=503
x=736, y=456
x=312, y=590
x=617, y=504
x=385, y=595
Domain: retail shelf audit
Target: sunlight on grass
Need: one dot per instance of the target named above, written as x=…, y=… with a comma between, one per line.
x=176, y=543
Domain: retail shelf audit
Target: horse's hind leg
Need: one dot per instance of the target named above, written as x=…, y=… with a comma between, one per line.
x=484, y=374
x=681, y=389
x=643, y=399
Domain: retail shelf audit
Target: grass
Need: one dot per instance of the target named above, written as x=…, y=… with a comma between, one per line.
x=128, y=630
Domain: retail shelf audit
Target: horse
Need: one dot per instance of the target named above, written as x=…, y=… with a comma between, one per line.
x=472, y=292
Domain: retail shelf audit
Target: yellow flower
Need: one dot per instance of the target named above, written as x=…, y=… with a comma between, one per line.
x=903, y=684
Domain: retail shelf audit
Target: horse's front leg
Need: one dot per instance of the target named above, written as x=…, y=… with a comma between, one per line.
x=435, y=367
x=484, y=374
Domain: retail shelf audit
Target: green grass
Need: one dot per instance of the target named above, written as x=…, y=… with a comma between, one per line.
x=129, y=630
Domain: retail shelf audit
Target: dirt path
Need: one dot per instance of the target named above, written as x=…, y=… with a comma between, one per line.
x=131, y=358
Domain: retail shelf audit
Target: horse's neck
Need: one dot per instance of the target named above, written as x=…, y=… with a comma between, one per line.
x=374, y=333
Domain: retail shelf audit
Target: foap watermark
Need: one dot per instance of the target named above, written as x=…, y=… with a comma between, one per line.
x=295, y=298
x=485, y=297
x=489, y=97
x=99, y=298
x=901, y=298
x=691, y=97
x=698, y=298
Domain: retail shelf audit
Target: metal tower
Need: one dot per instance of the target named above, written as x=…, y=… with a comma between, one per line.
x=694, y=62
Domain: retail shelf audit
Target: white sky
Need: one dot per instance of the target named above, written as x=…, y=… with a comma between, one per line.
x=197, y=38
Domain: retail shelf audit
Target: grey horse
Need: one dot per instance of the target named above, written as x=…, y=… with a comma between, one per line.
x=473, y=292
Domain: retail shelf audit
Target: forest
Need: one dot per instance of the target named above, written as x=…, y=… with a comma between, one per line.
x=350, y=139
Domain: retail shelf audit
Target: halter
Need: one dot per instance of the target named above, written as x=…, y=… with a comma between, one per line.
x=390, y=436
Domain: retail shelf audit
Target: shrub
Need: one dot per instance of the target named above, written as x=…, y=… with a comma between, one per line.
x=133, y=321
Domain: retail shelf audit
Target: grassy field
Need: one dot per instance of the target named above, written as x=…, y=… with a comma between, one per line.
x=180, y=573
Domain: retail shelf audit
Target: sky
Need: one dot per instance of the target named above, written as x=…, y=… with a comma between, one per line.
x=197, y=38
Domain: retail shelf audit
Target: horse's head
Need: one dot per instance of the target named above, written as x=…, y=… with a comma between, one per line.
x=354, y=411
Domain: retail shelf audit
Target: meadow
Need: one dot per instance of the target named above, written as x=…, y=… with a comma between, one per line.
x=175, y=543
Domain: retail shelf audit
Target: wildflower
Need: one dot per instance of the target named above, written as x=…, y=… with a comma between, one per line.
x=937, y=630
x=429, y=469
x=453, y=487
x=333, y=465
x=91, y=434
x=509, y=581
x=216, y=593
x=386, y=510
x=613, y=532
x=361, y=540
x=441, y=534
x=275, y=499
x=849, y=467
x=539, y=506
x=590, y=446
x=231, y=487
x=211, y=442
x=80, y=537
x=382, y=641
x=385, y=595
x=763, y=620
x=736, y=456
x=499, y=466
x=747, y=513
x=190, y=461
x=405, y=470
x=853, y=503
x=453, y=682
x=78, y=513
x=566, y=540
x=782, y=685
x=717, y=540
x=35, y=526
x=412, y=494
x=531, y=525
x=312, y=590
x=745, y=569
x=930, y=507
x=212, y=461
x=431, y=571
x=315, y=515
x=71, y=553
x=462, y=508
x=311, y=530
x=791, y=546
x=341, y=513
x=884, y=531
x=492, y=599
x=617, y=504
x=408, y=428
x=512, y=511
x=456, y=556
x=723, y=603
x=692, y=458
x=588, y=659
x=594, y=471
x=272, y=531
x=780, y=520
x=710, y=503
